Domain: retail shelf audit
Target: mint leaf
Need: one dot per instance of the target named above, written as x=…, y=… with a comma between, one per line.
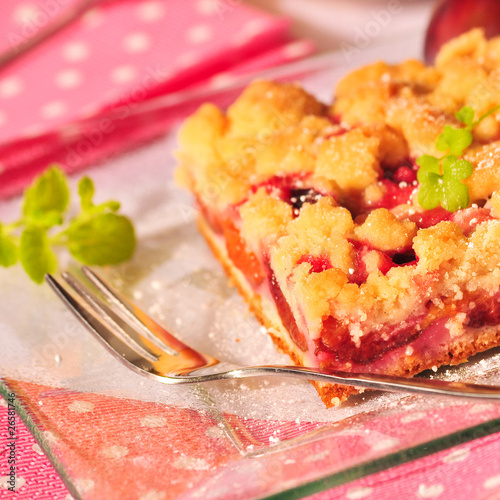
x=455, y=168
x=482, y=117
x=441, y=178
x=454, y=139
x=8, y=251
x=428, y=164
x=35, y=254
x=86, y=192
x=455, y=195
x=46, y=200
x=97, y=235
x=465, y=115
x=105, y=238
x=112, y=206
x=430, y=192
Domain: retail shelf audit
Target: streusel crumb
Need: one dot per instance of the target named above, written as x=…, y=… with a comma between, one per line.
x=313, y=210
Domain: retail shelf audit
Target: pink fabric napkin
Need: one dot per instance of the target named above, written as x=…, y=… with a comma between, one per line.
x=117, y=56
x=96, y=457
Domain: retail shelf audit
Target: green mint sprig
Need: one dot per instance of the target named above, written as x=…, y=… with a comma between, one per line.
x=97, y=235
x=441, y=178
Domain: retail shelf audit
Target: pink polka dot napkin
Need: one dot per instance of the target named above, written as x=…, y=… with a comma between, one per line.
x=191, y=451
x=117, y=55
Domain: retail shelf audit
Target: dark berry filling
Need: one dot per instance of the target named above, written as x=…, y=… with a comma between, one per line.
x=337, y=343
x=318, y=262
x=404, y=173
x=483, y=311
x=404, y=258
x=386, y=260
x=292, y=189
x=429, y=218
x=398, y=186
x=297, y=197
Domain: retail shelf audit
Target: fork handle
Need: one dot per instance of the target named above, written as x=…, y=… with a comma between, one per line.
x=432, y=387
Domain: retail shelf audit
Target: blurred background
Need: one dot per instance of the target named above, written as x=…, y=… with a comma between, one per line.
x=330, y=23
x=80, y=80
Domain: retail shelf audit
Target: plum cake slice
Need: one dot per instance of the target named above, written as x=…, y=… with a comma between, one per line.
x=364, y=234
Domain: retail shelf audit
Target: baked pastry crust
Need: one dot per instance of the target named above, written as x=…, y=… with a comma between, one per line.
x=312, y=209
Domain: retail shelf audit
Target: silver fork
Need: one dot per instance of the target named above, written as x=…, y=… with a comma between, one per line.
x=150, y=350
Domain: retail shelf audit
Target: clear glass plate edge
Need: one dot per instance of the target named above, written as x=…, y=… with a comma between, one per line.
x=388, y=461
x=26, y=417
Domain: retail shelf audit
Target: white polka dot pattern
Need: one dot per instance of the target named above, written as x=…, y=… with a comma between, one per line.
x=199, y=34
x=492, y=482
x=81, y=406
x=53, y=109
x=93, y=18
x=151, y=11
x=112, y=53
x=136, y=42
x=153, y=421
x=153, y=495
x=76, y=51
x=24, y=13
x=36, y=448
x=207, y=7
x=115, y=451
x=222, y=80
x=68, y=78
x=191, y=463
x=430, y=491
x=466, y=472
x=123, y=74
x=19, y=483
x=10, y=87
x=457, y=456
x=85, y=484
x=358, y=493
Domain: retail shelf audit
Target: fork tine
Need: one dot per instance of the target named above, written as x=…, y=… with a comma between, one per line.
x=130, y=313
x=156, y=351
x=93, y=314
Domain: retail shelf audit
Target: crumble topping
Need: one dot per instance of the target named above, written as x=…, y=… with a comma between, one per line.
x=265, y=219
x=264, y=108
x=485, y=179
x=382, y=118
x=323, y=200
x=439, y=245
x=293, y=149
x=350, y=160
x=384, y=231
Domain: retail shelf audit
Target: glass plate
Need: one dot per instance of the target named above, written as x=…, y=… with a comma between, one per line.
x=113, y=434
